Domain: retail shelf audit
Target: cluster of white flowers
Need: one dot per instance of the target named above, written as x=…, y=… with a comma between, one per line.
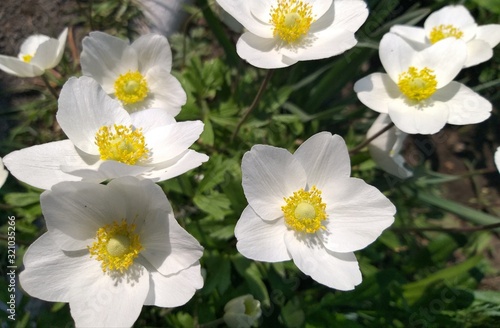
x=111, y=233
x=418, y=92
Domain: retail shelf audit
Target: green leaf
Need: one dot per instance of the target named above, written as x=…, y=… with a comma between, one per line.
x=215, y=204
x=22, y=199
x=490, y=5
x=465, y=212
x=249, y=271
x=413, y=291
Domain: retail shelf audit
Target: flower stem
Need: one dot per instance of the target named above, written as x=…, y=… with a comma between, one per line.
x=47, y=84
x=254, y=103
x=373, y=137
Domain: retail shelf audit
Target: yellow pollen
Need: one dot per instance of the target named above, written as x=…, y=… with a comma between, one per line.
x=122, y=144
x=417, y=84
x=116, y=246
x=304, y=211
x=27, y=58
x=131, y=87
x=442, y=31
x=291, y=19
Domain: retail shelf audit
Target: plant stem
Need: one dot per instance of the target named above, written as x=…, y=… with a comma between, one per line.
x=254, y=103
x=373, y=137
x=51, y=89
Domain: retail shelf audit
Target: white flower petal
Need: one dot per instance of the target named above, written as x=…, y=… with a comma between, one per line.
x=153, y=50
x=335, y=270
x=104, y=170
x=39, y=166
x=31, y=44
x=74, y=211
x=261, y=9
x=261, y=52
x=385, y=148
x=345, y=15
x=149, y=119
x=269, y=175
x=46, y=54
x=437, y=57
x=376, y=91
x=17, y=67
x=497, y=158
x=49, y=272
x=320, y=7
x=240, y=10
x=357, y=215
x=169, y=141
x=84, y=108
x=478, y=51
x=324, y=158
x=489, y=33
x=166, y=90
x=100, y=300
x=457, y=16
x=261, y=240
x=396, y=55
x=174, y=290
x=169, y=248
x=3, y=173
x=324, y=44
x=466, y=106
x=186, y=161
x=101, y=58
x=415, y=119
x=62, y=43
x=410, y=33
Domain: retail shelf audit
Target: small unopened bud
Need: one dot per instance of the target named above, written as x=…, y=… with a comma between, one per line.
x=242, y=312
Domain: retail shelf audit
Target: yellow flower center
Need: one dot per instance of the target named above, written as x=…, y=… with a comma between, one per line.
x=442, y=31
x=27, y=58
x=291, y=19
x=116, y=246
x=417, y=84
x=131, y=87
x=122, y=144
x=305, y=210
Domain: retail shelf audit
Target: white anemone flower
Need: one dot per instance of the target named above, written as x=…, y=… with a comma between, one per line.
x=454, y=21
x=305, y=207
x=418, y=92
x=385, y=149
x=106, y=142
x=38, y=53
x=3, y=173
x=109, y=250
x=137, y=74
x=282, y=32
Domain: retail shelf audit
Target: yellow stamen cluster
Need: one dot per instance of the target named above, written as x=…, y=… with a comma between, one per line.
x=116, y=246
x=442, y=31
x=122, y=144
x=304, y=211
x=291, y=19
x=131, y=88
x=27, y=58
x=417, y=84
